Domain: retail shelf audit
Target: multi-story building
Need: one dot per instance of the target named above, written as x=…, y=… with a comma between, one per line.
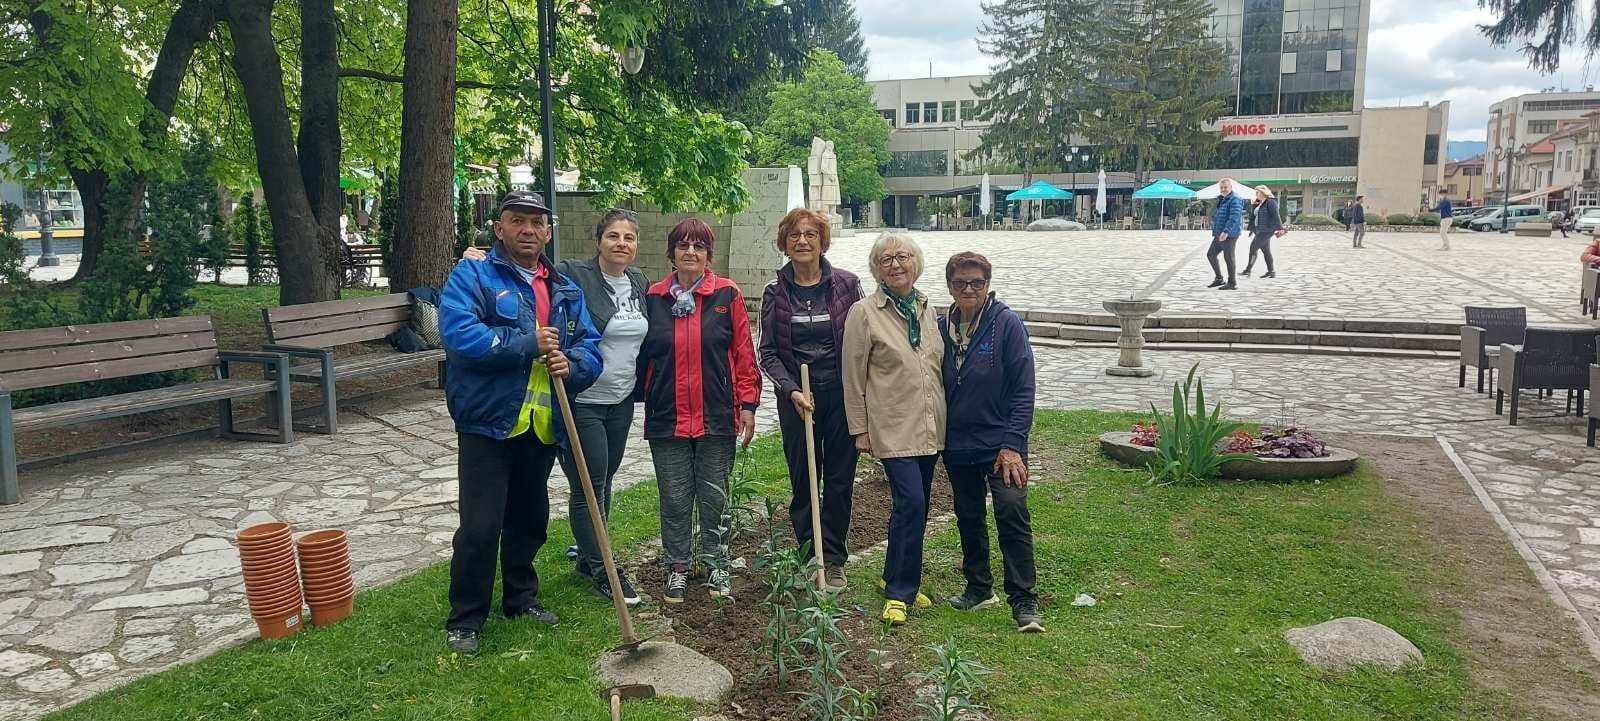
x=1518, y=124
x=1295, y=120
x=1464, y=180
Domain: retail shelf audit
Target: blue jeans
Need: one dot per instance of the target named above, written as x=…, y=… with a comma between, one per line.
x=910, y=485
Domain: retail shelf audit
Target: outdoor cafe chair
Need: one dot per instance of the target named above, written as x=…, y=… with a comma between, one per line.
x=1487, y=327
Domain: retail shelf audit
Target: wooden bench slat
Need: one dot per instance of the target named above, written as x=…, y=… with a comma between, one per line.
x=370, y=364
x=303, y=311
x=82, y=372
x=60, y=356
x=58, y=414
x=287, y=332
x=341, y=337
x=101, y=332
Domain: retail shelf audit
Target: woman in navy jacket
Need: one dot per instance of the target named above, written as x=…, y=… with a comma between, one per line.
x=989, y=386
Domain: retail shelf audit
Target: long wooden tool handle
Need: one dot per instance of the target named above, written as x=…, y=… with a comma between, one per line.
x=601, y=537
x=616, y=707
x=811, y=469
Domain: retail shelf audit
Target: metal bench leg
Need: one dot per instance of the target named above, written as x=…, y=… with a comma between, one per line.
x=1499, y=402
x=1481, y=371
x=1515, y=398
x=285, y=403
x=9, y=491
x=225, y=417
x=1594, y=425
x=1463, y=382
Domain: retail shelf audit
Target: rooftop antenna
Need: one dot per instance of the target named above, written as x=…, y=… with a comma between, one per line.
x=930, y=67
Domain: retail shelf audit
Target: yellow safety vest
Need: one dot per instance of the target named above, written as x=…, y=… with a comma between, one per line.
x=537, y=410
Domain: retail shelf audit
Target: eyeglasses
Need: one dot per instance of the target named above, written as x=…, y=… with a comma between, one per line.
x=692, y=245
x=903, y=259
x=974, y=284
x=811, y=235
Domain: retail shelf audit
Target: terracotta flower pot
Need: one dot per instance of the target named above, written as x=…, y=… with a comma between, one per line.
x=279, y=610
x=266, y=569
x=322, y=595
x=279, y=626
x=323, y=539
x=315, y=567
x=324, y=553
x=265, y=597
x=261, y=532
x=319, y=574
x=324, y=615
x=268, y=557
x=268, y=589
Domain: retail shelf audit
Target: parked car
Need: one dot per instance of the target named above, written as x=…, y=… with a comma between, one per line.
x=1588, y=222
x=1467, y=215
x=1508, y=218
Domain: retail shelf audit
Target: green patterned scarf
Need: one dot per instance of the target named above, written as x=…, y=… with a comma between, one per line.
x=908, y=308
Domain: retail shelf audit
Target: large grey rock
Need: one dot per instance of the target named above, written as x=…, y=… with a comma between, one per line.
x=673, y=669
x=1344, y=643
x=1048, y=224
x=79, y=633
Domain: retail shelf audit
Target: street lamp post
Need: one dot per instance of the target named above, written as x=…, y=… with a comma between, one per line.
x=1507, y=152
x=47, y=221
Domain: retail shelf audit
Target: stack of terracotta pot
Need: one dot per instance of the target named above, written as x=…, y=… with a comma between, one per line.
x=271, y=578
x=325, y=571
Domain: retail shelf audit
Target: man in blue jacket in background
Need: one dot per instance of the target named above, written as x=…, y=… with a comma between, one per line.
x=988, y=378
x=510, y=325
x=1225, y=229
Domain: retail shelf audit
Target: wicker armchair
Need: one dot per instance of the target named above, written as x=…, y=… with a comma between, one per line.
x=1487, y=327
x=1549, y=358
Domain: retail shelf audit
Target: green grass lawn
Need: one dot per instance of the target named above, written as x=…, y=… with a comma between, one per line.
x=1195, y=586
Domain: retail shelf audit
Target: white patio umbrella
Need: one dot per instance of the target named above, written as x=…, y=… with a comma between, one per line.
x=1100, y=196
x=1215, y=189
x=985, y=202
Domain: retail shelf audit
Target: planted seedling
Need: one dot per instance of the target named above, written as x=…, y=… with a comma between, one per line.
x=956, y=677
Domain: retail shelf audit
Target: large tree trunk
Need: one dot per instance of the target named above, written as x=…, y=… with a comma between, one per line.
x=302, y=267
x=425, y=232
x=320, y=142
x=191, y=23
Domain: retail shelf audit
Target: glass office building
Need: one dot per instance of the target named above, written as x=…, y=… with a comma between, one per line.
x=1292, y=56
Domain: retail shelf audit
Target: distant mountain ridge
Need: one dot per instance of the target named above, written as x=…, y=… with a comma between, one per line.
x=1463, y=149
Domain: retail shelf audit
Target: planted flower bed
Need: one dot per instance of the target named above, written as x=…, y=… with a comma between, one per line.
x=1271, y=454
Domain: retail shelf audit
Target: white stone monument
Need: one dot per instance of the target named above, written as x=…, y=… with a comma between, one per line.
x=822, y=171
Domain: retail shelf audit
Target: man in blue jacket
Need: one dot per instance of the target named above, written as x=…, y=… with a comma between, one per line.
x=510, y=325
x=988, y=388
x=1225, y=228
x=1446, y=217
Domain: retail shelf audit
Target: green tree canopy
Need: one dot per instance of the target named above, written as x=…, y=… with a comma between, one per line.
x=832, y=104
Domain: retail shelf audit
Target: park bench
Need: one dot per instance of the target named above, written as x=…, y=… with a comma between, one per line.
x=47, y=357
x=311, y=330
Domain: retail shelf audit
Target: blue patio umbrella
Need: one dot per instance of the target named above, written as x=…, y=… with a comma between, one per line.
x=1040, y=190
x=1163, y=190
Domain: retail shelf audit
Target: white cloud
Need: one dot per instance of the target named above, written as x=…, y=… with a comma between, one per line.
x=1416, y=52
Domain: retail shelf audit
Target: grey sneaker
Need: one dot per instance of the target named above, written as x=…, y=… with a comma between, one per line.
x=677, y=586
x=834, y=579
x=721, y=583
x=462, y=640
x=1026, y=614
x=969, y=601
x=535, y=611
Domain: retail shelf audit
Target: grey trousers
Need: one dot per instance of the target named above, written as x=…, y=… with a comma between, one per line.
x=1358, y=232
x=692, y=473
x=603, y=433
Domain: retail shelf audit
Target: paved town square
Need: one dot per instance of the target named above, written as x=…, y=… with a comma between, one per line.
x=120, y=566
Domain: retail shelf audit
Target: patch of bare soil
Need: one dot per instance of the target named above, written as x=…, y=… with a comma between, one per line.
x=731, y=633
x=1515, y=638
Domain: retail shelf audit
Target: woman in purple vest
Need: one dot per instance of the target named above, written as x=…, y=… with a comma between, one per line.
x=802, y=322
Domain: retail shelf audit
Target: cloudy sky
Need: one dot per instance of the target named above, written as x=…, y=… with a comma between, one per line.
x=1418, y=50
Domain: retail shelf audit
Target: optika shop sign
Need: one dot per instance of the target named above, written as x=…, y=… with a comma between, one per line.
x=1230, y=130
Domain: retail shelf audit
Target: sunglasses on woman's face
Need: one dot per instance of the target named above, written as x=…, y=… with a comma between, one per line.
x=693, y=245
x=973, y=284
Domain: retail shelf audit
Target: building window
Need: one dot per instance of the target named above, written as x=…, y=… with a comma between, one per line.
x=1549, y=105
x=1430, y=149
x=930, y=112
x=1541, y=127
x=1291, y=22
x=1335, y=60
x=1306, y=153
x=917, y=163
x=947, y=111
x=888, y=115
x=1287, y=64
x=969, y=111
x=1335, y=20
x=912, y=113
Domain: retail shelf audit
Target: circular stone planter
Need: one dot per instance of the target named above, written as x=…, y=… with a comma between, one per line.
x=1339, y=461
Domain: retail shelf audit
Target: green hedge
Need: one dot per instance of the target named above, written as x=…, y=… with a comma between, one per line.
x=1312, y=220
x=1428, y=218
x=1401, y=219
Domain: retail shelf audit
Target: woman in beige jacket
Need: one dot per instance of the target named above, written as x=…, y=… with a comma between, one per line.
x=894, y=404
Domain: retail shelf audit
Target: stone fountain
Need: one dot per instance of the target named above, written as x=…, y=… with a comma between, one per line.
x=1130, y=342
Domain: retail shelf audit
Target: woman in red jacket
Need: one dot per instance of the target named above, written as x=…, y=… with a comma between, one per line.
x=700, y=388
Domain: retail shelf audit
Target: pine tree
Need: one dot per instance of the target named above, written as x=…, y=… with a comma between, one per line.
x=464, y=217
x=1158, y=78
x=388, y=211
x=1039, y=95
x=502, y=180
x=247, y=228
x=837, y=28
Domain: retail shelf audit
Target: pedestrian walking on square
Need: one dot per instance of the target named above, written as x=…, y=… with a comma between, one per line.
x=1446, y=217
x=700, y=388
x=613, y=291
x=1358, y=222
x=1226, y=225
x=988, y=378
x=510, y=323
x=1267, y=226
x=803, y=314
x=1561, y=221
x=894, y=402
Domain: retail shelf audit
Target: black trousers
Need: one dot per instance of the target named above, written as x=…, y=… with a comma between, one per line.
x=1261, y=242
x=505, y=510
x=1225, y=249
x=836, y=471
x=1013, y=525
x=603, y=433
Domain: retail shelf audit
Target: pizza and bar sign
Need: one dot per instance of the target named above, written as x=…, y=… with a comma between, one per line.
x=1250, y=129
